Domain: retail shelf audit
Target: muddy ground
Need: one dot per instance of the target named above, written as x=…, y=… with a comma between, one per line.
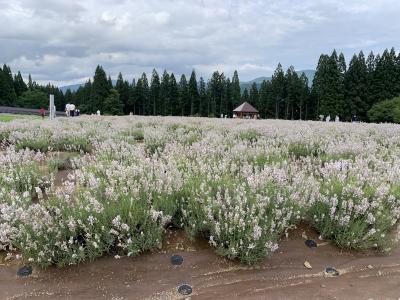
x=152, y=276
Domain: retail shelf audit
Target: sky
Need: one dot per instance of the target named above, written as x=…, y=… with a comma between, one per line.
x=63, y=41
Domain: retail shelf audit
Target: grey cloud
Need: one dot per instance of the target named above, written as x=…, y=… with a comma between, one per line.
x=63, y=41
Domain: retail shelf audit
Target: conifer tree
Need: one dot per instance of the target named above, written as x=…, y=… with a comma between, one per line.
x=183, y=107
x=100, y=90
x=164, y=95
x=173, y=109
x=236, y=93
x=8, y=97
x=123, y=90
x=245, y=96
x=253, y=96
x=155, y=90
x=194, y=95
x=112, y=104
x=356, y=87
x=203, y=98
x=278, y=92
x=19, y=85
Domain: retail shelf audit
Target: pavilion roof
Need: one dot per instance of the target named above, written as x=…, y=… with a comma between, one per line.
x=246, y=108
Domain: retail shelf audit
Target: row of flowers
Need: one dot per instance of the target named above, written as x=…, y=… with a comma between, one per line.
x=242, y=185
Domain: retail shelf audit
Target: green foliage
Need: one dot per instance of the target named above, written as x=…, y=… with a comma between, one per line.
x=33, y=99
x=347, y=227
x=112, y=104
x=385, y=111
x=299, y=150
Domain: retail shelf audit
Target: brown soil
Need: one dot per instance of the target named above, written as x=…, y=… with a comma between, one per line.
x=151, y=276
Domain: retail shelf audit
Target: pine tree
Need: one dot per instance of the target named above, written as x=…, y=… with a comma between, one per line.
x=203, y=98
x=356, y=87
x=328, y=86
x=131, y=105
x=8, y=97
x=173, y=109
x=228, y=98
x=254, y=96
x=294, y=90
x=155, y=90
x=183, y=106
x=384, y=78
x=100, y=91
x=30, y=83
x=142, y=103
x=194, y=95
x=236, y=93
x=215, y=91
x=19, y=85
x=123, y=90
x=278, y=92
x=304, y=102
x=245, y=96
x=265, y=99
x=112, y=104
x=164, y=95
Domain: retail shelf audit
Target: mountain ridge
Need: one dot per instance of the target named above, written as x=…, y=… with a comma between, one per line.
x=243, y=85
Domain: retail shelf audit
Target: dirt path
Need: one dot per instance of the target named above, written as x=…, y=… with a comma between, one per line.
x=151, y=276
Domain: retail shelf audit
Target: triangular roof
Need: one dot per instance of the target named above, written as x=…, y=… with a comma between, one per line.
x=246, y=108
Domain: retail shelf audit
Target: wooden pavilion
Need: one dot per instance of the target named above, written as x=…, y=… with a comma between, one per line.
x=246, y=111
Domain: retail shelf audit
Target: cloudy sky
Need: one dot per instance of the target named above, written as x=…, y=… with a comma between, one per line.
x=63, y=41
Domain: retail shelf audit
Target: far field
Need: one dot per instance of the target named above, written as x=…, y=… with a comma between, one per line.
x=237, y=198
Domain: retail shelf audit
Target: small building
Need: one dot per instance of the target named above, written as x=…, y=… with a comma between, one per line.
x=246, y=111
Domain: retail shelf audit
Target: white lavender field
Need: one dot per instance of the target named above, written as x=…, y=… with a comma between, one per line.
x=76, y=189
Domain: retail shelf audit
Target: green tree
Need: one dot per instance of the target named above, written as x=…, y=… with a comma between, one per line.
x=164, y=95
x=385, y=111
x=123, y=90
x=183, y=106
x=142, y=106
x=173, y=109
x=194, y=95
x=254, y=96
x=33, y=99
x=203, y=98
x=356, y=87
x=155, y=90
x=328, y=86
x=8, y=97
x=278, y=92
x=228, y=98
x=236, y=93
x=100, y=91
x=19, y=85
x=112, y=105
x=245, y=96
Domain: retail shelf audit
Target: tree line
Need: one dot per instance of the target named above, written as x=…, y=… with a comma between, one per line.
x=15, y=92
x=357, y=89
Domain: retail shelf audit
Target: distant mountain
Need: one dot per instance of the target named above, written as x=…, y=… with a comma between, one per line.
x=243, y=85
x=75, y=87
x=309, y=73
x=72, y=87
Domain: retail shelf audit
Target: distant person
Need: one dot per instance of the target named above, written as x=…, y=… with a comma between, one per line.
x=98, y=112
x=42, y=112
x=337, y=118
x=328, y=118
x=72, y=110
x=78, y=112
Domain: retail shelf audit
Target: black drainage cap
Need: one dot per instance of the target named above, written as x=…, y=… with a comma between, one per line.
x=176, y=260
x=185, y=289
x=24, y=271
